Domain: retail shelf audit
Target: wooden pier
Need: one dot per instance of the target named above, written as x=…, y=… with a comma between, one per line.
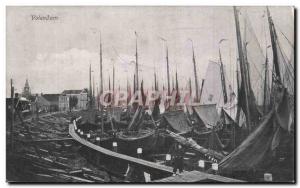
x=196, y=176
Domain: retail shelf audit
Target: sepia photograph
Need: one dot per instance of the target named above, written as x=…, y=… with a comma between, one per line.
x=150, y=94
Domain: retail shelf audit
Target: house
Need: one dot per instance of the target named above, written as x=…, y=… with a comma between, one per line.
x=53, y=101
x=47, y=102
x=82, y=96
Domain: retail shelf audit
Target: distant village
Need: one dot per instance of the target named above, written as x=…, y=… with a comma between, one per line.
x=67, y=100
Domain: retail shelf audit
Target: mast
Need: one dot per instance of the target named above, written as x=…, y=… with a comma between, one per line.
x=113, y=95
x=113, y=78
x=100, y=67
x=266, y=83
x=195, y=74
x=273, y=42
x=237, y=118
x=90, y=83
x=173, y=87
x=136, y=63
x=101, y=87
x=155, y=83
x=201, y=90
x=93, y=87
x=97, y=97
x=128, y=92
x=12, y=113
x=176, y=84
x=168, y=71
x=242, y=66
x=190, y=86
x=127, y=84
x=109, y=95
x=223, y=77
x=238, y=91
x=134, y=84
x=108, y=82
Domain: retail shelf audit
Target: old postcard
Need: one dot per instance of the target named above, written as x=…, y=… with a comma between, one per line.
x=150, y=94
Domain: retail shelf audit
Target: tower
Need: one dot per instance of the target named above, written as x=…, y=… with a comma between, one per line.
x=26, y=90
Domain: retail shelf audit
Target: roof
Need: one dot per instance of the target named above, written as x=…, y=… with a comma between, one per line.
x=32, y=98
x=51, y=97
x=72, y=91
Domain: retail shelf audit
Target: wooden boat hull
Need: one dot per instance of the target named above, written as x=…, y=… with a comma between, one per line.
x=128, y=143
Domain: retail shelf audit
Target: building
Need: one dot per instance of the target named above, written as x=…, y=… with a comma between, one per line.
x=82, y=96
x=48, y=102
x=26, y=90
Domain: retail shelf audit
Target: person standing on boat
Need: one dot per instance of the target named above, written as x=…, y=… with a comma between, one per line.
x=178, y=159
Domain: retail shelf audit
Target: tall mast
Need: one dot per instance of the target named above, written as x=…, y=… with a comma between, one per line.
x=108, y=82
x=273, y=42
x=97, y=97
x=113, y=77
x=168, y=71
x=136, y=62
x=90, y=83
x=173, y=87
x=237, y=96
x=242, y=66
x=134, y=84
x=190, y=86
x=12, y=113
x=127, y=84
x=176, y=85
x=93, y=87
x=195, y=74
x=101, y=87
x=201, y=90
x=155, y=83
x=266, y=83
x=222, y=76
x=101, y=73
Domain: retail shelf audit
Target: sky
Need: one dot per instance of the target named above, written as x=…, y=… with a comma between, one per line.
x=55, y=55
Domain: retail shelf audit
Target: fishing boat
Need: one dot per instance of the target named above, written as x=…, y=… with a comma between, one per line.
x=138, y=134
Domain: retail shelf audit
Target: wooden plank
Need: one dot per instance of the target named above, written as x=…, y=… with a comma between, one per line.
x=184, y=177
x=224, y=179
x=197, y=176
x=49, y=140
x=130, y=159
